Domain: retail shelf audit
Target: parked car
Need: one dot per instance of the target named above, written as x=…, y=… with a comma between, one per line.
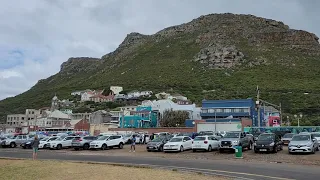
x=268, y=142
x=14, y=141
x=28, y=144
x=303, y=143
x=156, y=144
x=82, y=142
x=235, y=138
x=45, y=142
x=61, y=142
x=287, y=138
x=105, y=142
x=179, y=143
x=206, y=143
x=316, y=135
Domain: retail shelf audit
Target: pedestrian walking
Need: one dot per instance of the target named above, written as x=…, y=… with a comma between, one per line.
x=133, y=144
x=141, y=139
x=145, y=139
x=35, y=146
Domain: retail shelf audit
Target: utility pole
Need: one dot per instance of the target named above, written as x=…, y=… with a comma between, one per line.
x=258, y=105
x=280, y=114
x=215, y=120
x=122, y=118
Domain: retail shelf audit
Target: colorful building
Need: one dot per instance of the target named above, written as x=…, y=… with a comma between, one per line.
x=143, y=117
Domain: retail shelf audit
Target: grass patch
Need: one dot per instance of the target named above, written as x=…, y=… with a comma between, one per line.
x=28, y=169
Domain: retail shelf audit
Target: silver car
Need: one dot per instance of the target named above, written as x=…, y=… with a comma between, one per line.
x=303, y=143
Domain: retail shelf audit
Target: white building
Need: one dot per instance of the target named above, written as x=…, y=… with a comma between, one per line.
x=134, y=94
x=166, y=104
x=116, y=89
x=80, y=92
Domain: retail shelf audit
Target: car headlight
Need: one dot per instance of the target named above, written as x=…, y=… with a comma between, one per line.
x=309, y=144
x=158, y=144
x=235, y=142
x=272, y=144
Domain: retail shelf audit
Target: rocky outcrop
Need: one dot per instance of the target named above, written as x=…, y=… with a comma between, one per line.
x=220, y=57
x=79, y=64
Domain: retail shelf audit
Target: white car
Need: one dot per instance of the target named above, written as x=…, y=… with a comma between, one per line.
x=61, y=142
x=205, y=143
x=179, y=143
x=44, y=143
x=316, y=135
x=105, y=142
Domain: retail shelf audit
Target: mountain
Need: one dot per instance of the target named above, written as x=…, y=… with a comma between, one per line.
x=217, y=56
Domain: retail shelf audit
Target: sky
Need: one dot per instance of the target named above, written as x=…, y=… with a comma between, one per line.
x=36, y=36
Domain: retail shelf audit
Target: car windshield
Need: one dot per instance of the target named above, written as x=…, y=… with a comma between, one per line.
x=11, y=137
x=288, y=136
x=59, y=139
x=45, y=139
x=156, y=140
x=199, y=138
x=103, y=138
x=266, y=137
x=176, y=140
x=301, y=138
x=316, y=135
x=232, y=135
x=54, y=138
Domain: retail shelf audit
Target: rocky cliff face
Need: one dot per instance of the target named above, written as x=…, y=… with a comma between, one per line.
x=79, y=64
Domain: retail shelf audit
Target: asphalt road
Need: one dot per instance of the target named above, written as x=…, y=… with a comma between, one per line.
x=237, y=168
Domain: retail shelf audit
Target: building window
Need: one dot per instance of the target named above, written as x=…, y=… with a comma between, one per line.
x=219, y=110
x=242, y=110
x=236, y=110
x=246, y=110
x=204, y=110
x=22, y=118
x=14, y=118
x=227, y=110
x=211, y=110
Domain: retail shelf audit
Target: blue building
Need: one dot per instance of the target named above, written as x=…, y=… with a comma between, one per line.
x=144, y=117
x=230, y=110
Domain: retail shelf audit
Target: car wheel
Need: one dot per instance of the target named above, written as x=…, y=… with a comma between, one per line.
x=120, y=146
x=13, y=145
x=161, y=148
x=86, y=146
x=210, y=148
x=24, y=147
x=59, y=146
x=104, y=147
x=44, y=146
x=181, y=148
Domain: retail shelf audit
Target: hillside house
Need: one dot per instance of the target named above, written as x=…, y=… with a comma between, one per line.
x=101, y=98
x=116, y=89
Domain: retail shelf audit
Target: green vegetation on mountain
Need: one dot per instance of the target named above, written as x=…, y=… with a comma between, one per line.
x=218, y=56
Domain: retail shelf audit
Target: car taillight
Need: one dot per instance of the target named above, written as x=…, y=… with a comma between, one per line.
x=205, y=142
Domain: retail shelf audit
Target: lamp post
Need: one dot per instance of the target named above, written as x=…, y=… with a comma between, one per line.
x=300, y=116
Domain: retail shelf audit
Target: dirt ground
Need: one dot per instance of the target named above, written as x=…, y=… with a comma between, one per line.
x=52, y=170
x=280, y=157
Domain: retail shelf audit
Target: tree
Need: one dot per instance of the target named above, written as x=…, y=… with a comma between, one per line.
x=172, y=118
x=106, y=92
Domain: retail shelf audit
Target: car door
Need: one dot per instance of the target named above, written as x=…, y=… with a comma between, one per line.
x=18, y=139
x=215, y=142
x=187, y=143
x=67, y=142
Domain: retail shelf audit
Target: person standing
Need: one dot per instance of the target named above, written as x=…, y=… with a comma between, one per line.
x=35, y=146
x=133, y=144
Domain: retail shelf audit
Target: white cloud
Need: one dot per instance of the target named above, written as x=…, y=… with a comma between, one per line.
x=49, y=32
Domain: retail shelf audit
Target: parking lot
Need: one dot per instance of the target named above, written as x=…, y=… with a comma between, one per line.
x=280, y=157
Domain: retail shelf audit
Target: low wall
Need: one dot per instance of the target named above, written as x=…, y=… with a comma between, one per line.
x=156, y=130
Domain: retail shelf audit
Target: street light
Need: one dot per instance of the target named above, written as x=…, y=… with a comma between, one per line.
x=300, y=116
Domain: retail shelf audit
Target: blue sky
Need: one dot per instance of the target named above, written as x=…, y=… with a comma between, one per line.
x=38, y=35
